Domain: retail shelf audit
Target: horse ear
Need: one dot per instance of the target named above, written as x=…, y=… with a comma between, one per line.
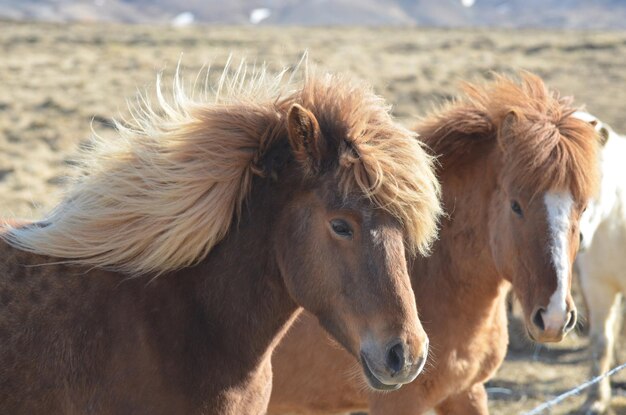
x=603, y=132
x=305, y=138
x=603, y=135
x=505, y=133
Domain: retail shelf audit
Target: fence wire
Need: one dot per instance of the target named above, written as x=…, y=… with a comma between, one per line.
x=546, y=406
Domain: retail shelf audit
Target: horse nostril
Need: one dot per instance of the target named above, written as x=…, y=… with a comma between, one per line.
x=571, y=321
x=538, y=319
x=395, y=358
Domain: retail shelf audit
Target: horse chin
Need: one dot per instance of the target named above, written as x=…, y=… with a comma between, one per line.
x=373, y=381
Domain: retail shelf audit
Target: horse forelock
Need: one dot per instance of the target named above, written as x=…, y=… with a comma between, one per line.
x=164, y=193
x=544, y=145
x=377, y=157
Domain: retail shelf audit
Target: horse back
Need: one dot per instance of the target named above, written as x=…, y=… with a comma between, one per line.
x=70, y=338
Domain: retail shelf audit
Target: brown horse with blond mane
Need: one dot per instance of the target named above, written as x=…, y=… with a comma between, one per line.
x=517, y=169
x=230, y=214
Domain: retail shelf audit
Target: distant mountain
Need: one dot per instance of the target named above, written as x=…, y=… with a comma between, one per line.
x=585, y=14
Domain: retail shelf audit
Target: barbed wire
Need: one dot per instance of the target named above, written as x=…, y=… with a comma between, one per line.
x=555, y=401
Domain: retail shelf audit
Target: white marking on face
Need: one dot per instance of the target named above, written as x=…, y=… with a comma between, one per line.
x=559, y=208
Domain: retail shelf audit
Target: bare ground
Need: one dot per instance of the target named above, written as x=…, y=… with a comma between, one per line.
x=57, y=82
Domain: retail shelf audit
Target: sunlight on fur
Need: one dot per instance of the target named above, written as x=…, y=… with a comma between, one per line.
x=166, y=191
x=545, y=146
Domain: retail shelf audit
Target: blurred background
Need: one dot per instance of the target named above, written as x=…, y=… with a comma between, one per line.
x=67, y=67
x=580, y=14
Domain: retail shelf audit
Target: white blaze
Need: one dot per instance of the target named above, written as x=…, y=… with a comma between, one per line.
x=559, y=207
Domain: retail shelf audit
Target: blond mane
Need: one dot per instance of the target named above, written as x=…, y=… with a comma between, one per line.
x=545, y=145
x=165, y=192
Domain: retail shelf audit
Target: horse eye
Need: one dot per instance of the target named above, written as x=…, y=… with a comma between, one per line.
x=515, y=207
x=341, y=228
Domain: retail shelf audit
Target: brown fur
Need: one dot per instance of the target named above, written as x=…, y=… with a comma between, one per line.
x=76, y=339
x=501, y=141
x=130, y=209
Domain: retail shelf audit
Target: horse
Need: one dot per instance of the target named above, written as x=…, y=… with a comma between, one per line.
x=516, y=169
x=185, y=248
x=601, y=263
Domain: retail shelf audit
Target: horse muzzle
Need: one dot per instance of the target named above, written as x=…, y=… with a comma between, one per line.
x=545, y=327
x=394, y=367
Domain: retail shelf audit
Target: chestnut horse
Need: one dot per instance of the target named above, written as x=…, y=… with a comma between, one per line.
x=516, y=170
x=230, y=214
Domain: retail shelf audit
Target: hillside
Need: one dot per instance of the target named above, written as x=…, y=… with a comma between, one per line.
x=579, y=14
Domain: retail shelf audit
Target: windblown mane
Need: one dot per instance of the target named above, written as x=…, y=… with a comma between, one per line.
x=545, y=146
x=164, y=193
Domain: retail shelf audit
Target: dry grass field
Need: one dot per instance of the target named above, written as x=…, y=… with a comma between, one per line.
x=59, y=82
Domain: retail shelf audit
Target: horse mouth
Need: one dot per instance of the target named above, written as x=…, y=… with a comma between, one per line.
x=373, y=381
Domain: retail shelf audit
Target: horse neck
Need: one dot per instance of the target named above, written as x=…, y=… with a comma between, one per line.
x=236, y=306
x=461, y=258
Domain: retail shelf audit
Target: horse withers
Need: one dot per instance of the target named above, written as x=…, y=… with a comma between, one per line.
x=601, y=262
x=186, y=247
x=517, y=169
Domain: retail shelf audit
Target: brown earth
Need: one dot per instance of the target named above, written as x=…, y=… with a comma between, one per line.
x=58, y=82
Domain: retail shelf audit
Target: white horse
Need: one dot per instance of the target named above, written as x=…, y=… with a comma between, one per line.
x=602, y=259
